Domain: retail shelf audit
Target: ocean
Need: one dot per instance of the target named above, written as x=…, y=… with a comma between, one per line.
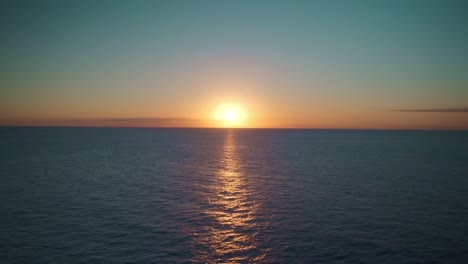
x=160, y=195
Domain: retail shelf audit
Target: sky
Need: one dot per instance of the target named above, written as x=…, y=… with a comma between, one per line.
x=286, y=64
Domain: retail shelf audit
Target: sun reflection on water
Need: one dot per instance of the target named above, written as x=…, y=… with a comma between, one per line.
x=231, y=236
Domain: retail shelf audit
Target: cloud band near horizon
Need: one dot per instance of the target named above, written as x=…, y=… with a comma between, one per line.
x=434, y=110
x=150, y=122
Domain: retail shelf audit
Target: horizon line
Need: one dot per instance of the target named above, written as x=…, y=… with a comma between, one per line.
x=237, y=128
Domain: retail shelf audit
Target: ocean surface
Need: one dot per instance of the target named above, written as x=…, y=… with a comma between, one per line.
x=145, y=195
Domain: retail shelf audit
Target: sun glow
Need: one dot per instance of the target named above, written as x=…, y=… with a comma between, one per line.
x=231, y=115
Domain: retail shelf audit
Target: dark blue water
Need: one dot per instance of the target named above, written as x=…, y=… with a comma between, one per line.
x=118, y=195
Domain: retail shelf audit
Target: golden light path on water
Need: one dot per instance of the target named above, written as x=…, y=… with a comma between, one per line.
x=231, y=238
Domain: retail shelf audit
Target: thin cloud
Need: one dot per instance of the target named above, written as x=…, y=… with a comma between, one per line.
x=434, y=110
x=138, y=119
x=159, y=121
x=118, y=122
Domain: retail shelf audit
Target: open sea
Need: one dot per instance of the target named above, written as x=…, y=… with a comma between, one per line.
x=147, y=195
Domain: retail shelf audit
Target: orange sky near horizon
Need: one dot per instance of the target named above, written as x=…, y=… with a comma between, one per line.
x=262, y=104
x=258, y=117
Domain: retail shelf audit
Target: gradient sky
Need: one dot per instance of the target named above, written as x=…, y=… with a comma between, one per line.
x=315, y=64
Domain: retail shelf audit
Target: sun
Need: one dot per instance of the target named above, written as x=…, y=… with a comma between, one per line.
x=231, y=115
